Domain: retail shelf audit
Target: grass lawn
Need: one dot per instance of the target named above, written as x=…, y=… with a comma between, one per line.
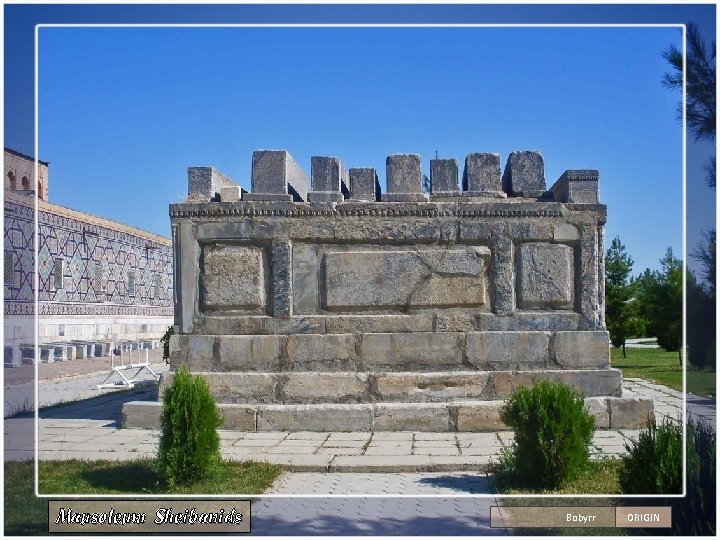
x=662, y=367
x=600, y=477
x=27, y=514
x=701, y=383
x=139, y=476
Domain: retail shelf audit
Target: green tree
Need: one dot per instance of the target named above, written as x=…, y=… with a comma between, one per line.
x=701, y=298
x=618, y=294
x=700, y=88
x=704, y=253
x=661, y=296
x=700, y=324
x=701, y=122
x=189, y=448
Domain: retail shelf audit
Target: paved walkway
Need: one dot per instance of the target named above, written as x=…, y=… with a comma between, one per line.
x=61, y=382
x=90, y=430
x=374, y=516
x=702, y=408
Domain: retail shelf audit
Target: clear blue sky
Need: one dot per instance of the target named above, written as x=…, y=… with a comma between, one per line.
x=124, y=112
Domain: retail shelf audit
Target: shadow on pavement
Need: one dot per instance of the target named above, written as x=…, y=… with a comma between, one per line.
x=376, y=516
x=471, y=483
x=106, y=407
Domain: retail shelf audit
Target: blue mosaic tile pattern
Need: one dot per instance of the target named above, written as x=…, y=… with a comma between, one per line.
x=100, y=264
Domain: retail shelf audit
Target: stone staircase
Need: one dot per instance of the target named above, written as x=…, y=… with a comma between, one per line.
x=363, y=382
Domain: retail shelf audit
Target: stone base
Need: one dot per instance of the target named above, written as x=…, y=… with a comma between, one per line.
x=380, y=352
x=268, y=197
x=296, y=388
x=494, y=194
x=405, y=197
x=342, y=324
x=325, y=196
x=442, y=195
x=457, y=416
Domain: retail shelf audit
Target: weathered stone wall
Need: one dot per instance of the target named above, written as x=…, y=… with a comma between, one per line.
x=481, y=259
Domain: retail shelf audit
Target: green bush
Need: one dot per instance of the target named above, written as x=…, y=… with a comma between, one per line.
x=189, y=447
x=165, y=340
x=696, y=513
x=553, y=432
x=653, y=463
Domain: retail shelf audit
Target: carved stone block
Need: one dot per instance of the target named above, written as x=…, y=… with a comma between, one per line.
x=481, y=176
x=404, y=179
x=443, y=176
x=524, y=174
x=364, y=185
x=233, y=278
x=400, y=279
x=326, y=178
x=545, y=276
x=276, y=177
x=577, y=186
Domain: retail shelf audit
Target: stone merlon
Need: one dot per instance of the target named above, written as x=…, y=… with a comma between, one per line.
x=205, y=184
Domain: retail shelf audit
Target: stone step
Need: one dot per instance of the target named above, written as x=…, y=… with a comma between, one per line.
x=468, y=415
x=419, y=351
x=351, y=387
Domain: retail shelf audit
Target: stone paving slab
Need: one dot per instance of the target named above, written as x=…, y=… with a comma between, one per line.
x=445, y=484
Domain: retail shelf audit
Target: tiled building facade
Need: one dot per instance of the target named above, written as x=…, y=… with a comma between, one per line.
x=97, y=279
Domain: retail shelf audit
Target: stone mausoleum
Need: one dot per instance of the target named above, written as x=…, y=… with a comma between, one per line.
x=331, y=306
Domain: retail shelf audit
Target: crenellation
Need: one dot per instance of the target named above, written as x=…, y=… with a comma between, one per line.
x=364, y=185
x=404, y=179
x=481, y=176
x=205, y=184
x=327, y=177
x=524, y=174
x=276, y=176
x=444, y=178
x=577, y=186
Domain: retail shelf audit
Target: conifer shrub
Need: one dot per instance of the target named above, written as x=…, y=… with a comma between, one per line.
x=653, y=463
x=653, y=466
x=165, y=340
x=189, y=448
x=553, y=432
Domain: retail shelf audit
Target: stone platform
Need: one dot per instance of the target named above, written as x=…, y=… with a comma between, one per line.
x=451, y=416
x=333, y=306
x=422, y=381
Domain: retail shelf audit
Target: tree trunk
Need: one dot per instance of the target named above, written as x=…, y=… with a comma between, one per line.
x=624, y=355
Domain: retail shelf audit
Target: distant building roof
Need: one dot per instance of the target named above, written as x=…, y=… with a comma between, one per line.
x=20, y=154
